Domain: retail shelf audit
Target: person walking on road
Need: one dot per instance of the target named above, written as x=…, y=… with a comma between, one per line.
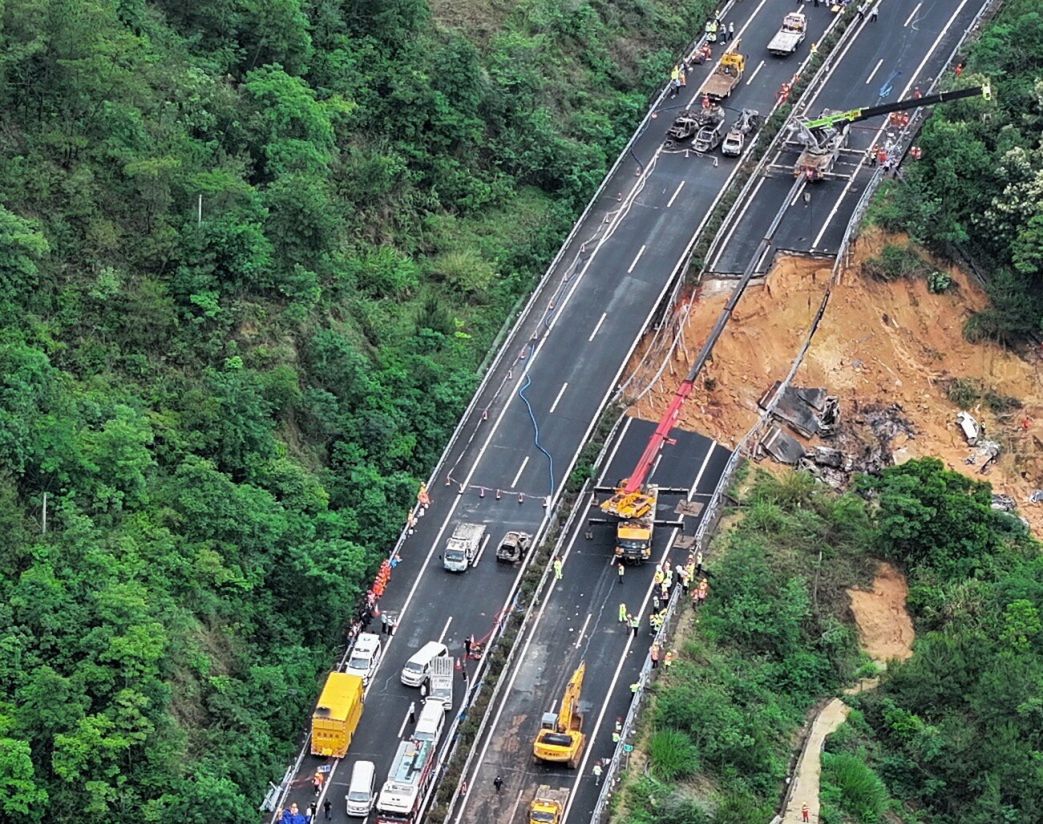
x=327, y=809
x=498, y=782
x=623, y=613
x=620, y=572
x=875, y=13
x=654, y=655
x=557, y=569
x=635, y=624
x=804, y=814
x=597, y=774
x=731, y=31
x=412, y=712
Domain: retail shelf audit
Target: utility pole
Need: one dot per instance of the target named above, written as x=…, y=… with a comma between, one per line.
x=199, y=212
x=44, y=513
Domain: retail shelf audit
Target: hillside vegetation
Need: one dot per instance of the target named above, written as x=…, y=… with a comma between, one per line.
x=252, y=256
x=978, y=191
x=951, y=735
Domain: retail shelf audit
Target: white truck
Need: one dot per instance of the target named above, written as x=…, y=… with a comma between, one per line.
x=440, y=682
x=461, y=550
x=791, y=35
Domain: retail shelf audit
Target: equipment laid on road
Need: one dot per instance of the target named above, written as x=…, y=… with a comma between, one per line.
x=745, y=125
x=791, y=35
x=336, y=715
x=561, y=738
x=726, y=75
x=513, y=547
x=823, y=138
x=461, y=550
x=402, y=795
x=440, y=682
x=549, y=804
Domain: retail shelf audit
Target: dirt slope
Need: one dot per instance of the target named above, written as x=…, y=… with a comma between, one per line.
x=885, y=630
x=879, y=343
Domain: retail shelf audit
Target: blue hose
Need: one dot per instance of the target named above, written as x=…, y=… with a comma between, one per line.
x=536, y=428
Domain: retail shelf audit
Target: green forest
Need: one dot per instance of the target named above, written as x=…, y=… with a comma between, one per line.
x=977, y=193
x=952, y=736
x=253, y=253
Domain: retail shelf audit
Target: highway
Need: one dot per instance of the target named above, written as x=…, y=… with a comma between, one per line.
x=539, y=403
x=885, y=61
x=578, y=621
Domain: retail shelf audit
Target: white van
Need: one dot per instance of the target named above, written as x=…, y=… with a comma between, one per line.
x=429, y=724
x=415, y=671
x=361, y=793
x=365, y=656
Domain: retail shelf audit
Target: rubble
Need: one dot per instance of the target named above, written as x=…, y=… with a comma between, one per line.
x=1003, y=503
x=808, y=411
x=781, y=446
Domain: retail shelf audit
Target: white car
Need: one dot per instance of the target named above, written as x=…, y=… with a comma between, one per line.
x=365, y=656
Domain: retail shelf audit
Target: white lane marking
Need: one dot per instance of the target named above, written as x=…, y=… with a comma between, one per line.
x=759, y=67
x=582, y=630
x=514, y=809
x=405, y=721
x=799, y=192
x=640, y=252
x=876, y=68
x=879, y=131
x=738, y=220
x=521, y=469
x=612, y=685
x=481, y=551
x=445, y=629
x=596, y=328
x=561, y=392
x=735, y=39
x=532, y=633
x=909, y=19
x=677, y=191
x=655, y=466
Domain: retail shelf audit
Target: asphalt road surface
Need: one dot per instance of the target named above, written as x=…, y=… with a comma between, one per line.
x=578, y=621
x=886, y=61
x=560, y=364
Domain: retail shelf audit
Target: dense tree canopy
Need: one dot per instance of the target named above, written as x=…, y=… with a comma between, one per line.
x=979, y=187
x=251, y=255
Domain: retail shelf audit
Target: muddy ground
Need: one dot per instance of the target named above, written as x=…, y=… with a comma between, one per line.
x=888, y=349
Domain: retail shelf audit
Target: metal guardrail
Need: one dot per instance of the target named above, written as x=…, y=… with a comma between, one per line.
x=713, y=509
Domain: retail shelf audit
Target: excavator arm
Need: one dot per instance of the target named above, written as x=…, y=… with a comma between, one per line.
x=570, y=699
x=839, y=119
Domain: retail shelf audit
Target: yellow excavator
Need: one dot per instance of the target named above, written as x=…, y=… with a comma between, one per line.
x=561, y=738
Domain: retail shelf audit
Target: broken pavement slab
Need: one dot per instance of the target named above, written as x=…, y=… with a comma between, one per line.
x=782, y=446
x=809, y=412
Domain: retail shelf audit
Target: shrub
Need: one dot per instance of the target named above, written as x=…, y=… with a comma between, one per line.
x=673, y=754
x=861, y=792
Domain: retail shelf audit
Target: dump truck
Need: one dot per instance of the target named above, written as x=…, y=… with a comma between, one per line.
x=745, y=125
x=337, y=715
x=560, y=738
x=513, y=547
x=726, y=75
x=462, y=548
x=549, y=804
x=791, y=35
x=440, y=681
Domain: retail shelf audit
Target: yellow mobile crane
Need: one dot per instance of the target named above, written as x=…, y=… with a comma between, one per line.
x=561, y=737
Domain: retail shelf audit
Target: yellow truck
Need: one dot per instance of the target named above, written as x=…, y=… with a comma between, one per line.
x=337, y=715
x=726, y=75
x=634, y=532
x=548, y=806
x=561, y=739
